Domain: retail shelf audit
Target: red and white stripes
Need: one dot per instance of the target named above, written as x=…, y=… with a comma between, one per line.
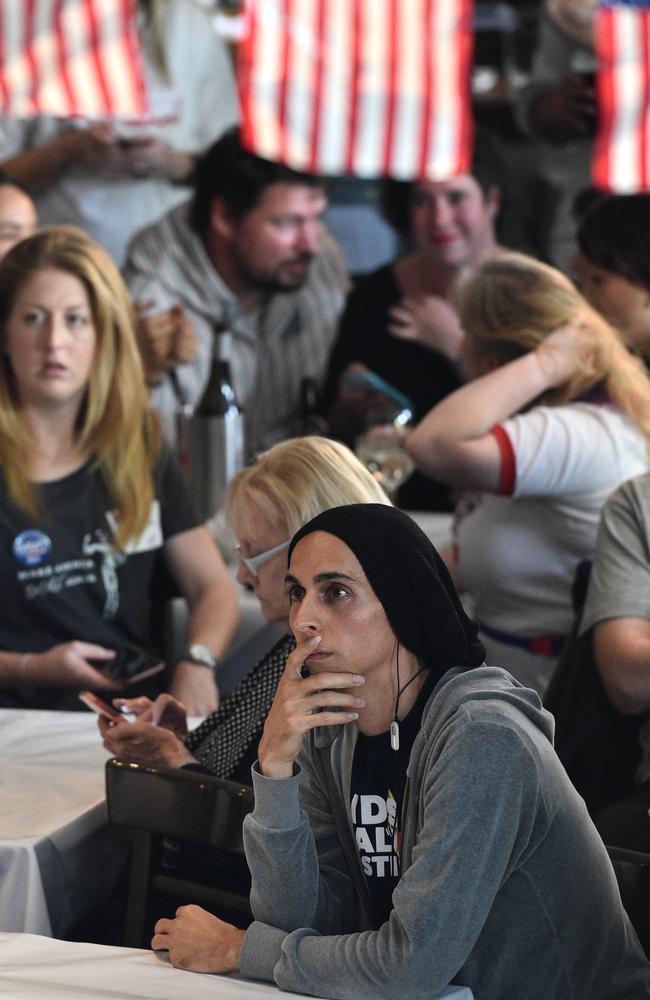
x=621, y=161
x=364, y=87
x=70, y=58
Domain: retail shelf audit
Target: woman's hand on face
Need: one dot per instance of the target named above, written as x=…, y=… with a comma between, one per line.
x=565, y=353
x=303, y=703
x=67, y=665
x=144, y=743
x=165, y=711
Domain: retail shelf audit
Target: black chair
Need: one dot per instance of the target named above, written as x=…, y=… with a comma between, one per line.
x=632, y=870
x=167, y=811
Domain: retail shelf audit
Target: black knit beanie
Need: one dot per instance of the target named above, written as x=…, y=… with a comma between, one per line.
x=409, y=578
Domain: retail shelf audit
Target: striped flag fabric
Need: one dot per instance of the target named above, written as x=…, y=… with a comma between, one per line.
x=621, y=156
x=368, y=88
x=70, y=58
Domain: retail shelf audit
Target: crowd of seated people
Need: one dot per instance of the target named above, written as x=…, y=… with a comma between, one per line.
x=530, y=409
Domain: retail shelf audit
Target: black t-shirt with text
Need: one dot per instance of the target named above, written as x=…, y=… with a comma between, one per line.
x=63, y=578
x=376, y=795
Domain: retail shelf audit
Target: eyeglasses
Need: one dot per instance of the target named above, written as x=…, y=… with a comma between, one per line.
x=255, y=563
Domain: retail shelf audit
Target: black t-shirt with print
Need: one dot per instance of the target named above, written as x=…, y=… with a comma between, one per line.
x=376, y=796
x=63, y=579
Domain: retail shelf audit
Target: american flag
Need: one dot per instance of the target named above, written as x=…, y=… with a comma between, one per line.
x=70, y=58
x=621, y=160
x=363, y=87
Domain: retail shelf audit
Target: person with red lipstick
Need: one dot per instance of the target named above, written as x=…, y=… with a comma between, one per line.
x=92, y=507
x=399, y=321
x=413, y=827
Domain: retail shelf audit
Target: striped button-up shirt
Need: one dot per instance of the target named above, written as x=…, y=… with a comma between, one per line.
x=285, y=339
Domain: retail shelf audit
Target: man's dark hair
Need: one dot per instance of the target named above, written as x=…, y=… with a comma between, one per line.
x=7, y=181
x=227, y=170
x=615, y=234
x=485, y=169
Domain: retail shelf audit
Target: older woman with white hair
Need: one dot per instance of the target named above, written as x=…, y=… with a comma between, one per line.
x=266, y=503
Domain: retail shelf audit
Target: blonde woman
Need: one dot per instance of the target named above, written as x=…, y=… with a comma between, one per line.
x=266, y=504
x=555, y=417
x=90, y=504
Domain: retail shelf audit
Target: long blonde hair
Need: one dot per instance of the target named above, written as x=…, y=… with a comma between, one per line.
x=115, y=425
x=512, y=302
x=297, y=479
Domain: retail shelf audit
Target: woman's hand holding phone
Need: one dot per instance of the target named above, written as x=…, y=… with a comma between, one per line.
x=166, y=712
x=303, y=703
x=68, y=664
x=144, y=743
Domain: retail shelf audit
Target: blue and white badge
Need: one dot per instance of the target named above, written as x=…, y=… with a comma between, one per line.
x=32, y=547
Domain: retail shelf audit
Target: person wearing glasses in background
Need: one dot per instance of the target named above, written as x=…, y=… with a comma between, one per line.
x=266, y=504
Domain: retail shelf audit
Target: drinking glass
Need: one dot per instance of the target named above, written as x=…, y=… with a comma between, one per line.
x=381, y=448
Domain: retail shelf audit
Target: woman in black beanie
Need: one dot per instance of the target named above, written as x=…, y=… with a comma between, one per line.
x=413, y=827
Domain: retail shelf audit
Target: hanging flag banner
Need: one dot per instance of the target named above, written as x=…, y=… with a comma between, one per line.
x=621, y=161
x=368, y=88
x=70, y=58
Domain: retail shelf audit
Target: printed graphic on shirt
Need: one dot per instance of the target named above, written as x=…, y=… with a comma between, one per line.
x=32, y=547
x=151, y=536
x=374, y=819
x=98, y=543
x=98, y=563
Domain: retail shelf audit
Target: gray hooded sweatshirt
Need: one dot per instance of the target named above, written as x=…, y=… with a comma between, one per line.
x=506, y=887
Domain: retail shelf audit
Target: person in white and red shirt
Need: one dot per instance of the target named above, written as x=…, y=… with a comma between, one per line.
x=556, y=415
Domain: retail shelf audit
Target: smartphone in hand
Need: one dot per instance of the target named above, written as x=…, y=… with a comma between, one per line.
x=129, y=665
x=95, y=703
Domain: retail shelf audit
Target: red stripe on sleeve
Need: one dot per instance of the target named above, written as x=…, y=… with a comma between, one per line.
x=508, y=474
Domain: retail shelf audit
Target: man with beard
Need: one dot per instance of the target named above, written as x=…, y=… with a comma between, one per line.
x=249, y=254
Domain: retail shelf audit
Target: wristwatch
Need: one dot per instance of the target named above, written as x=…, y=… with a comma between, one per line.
x=200, y=655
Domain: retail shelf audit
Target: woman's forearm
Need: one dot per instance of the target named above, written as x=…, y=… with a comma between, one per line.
x=453, y=443
x=38, y=167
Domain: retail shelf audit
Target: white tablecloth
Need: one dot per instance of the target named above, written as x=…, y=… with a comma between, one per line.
x=37, y=968
x=56, y=853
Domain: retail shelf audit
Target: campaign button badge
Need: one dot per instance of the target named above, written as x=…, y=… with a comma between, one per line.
x=32, y=547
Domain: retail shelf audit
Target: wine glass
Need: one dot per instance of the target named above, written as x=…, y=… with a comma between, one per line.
x=381, y=448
